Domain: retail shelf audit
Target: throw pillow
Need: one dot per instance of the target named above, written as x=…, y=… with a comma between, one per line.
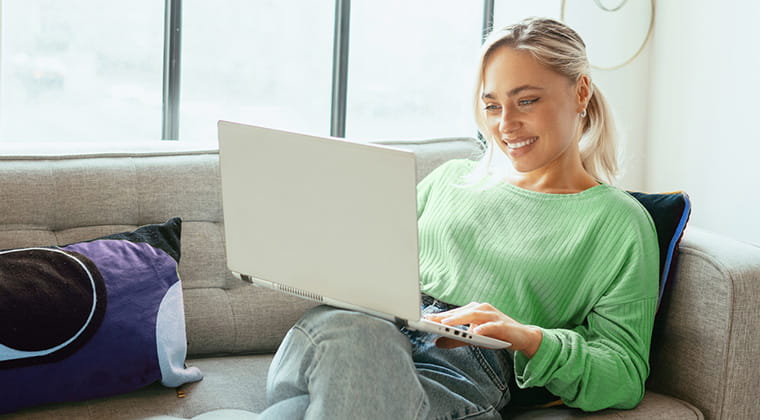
x=92, y=319
x=670, y=213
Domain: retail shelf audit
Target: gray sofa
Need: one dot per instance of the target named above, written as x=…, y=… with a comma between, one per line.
x=702, y=363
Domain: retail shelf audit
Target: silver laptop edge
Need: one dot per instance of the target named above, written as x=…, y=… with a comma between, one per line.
x=421, y=324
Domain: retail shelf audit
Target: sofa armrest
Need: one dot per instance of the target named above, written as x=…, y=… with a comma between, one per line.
x=707, y=335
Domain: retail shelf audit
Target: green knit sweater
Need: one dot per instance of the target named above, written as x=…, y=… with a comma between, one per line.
x=583, y=267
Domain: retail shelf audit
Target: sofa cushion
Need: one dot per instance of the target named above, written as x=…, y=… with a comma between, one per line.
x=231, y=382
x=239, y=383
x=223, y=414
x=93, y=318
x=653, y=406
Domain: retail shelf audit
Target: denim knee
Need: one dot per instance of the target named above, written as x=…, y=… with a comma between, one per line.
x=338, y=357
x=330, y=322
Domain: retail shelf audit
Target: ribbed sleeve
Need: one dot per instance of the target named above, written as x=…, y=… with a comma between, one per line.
x=581, y=266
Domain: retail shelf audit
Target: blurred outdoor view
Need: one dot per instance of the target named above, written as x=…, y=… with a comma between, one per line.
x=92, y=70
x=74, y=70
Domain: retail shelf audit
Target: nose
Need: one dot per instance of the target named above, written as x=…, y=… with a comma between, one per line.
x=508, y=121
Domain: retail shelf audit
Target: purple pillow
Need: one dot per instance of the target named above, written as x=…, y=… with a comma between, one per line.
x=92, y=319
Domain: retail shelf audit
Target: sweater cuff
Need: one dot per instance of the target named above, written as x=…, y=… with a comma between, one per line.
x=534, y=371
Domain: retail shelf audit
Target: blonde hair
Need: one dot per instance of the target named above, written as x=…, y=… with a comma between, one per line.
x=560, y=48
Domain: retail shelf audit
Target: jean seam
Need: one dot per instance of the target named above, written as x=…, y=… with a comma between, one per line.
x=422, y=408
x=484, y=410
x=315, y=354
x=479, y=413
x=488, y=369
x=306, y=333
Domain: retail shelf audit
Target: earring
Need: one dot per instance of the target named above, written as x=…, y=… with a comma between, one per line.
x=584, y=113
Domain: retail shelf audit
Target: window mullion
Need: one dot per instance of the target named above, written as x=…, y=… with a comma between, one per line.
x=340, y=68
x=172, y=55
x=488, y=6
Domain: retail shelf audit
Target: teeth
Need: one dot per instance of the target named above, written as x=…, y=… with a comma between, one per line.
x=522, y=143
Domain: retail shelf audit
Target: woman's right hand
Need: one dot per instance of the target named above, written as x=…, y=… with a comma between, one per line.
x=484, y=319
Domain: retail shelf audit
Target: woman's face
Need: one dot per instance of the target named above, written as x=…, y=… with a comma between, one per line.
x=532, y=112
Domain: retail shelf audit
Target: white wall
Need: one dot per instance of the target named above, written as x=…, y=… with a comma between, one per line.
x=626, y=89
x=612, y=38
x=703, y=134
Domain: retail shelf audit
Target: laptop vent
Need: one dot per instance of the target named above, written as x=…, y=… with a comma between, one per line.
x=301, y=293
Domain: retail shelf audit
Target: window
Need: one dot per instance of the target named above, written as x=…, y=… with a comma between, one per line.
x=77, y=71
x=259, y=62
x=411, y=69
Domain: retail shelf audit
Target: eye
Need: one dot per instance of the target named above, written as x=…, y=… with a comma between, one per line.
x=491, y=108
x=525, y=102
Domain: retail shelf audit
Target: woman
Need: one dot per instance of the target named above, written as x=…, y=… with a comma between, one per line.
x=565, y=265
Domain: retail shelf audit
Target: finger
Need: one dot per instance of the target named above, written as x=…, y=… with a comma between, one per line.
x=433, y=317
x=470, y=317
x=472, y=313
x=498, y=331
x=438, y=317
x=485, y=328
x=450, y=312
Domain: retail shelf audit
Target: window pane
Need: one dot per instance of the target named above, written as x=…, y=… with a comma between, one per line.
x=264, y=62
x=412, y=68
x=77, y=71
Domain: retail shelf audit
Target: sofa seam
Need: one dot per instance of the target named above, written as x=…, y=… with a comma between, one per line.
x=235, y=329
x=107, y=155
x=691, y=407
x=57, y=213
x=133, y=187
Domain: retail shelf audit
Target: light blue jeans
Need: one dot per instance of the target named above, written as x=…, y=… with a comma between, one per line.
x=337, y=364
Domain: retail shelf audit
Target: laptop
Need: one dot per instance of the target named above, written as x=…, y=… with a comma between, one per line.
x=326, y=219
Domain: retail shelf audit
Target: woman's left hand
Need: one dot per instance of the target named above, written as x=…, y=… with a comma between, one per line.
x=486, y=320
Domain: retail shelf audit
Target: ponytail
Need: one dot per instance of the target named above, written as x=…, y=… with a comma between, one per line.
x=597, y=145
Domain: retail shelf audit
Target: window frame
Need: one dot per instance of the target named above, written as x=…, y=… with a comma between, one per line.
x=172, y=65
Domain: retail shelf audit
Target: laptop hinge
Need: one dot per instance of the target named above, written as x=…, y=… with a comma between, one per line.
x=401, y=323
x=246, y=278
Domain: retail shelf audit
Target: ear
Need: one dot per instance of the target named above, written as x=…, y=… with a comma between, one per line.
x=583, y=92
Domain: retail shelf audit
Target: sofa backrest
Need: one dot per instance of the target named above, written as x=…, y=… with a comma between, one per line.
x=59, y=200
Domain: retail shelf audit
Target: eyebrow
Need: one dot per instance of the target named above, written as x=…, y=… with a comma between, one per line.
x=514, y=91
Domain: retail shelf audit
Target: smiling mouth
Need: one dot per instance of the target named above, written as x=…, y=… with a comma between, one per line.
x=521, y=144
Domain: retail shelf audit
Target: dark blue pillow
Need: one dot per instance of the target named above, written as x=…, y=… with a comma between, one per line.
x=670, y=213
x=92, y=319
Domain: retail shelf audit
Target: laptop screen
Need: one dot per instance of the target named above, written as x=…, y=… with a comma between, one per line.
x=327, y=216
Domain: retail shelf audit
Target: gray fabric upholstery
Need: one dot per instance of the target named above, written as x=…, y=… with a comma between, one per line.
x=221, y=414
x=703, y=352
x=653, y=406
x=707, y=349
x=233, y=382
x=238, y=382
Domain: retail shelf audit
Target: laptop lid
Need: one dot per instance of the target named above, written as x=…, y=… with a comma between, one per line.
x=323, y=215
